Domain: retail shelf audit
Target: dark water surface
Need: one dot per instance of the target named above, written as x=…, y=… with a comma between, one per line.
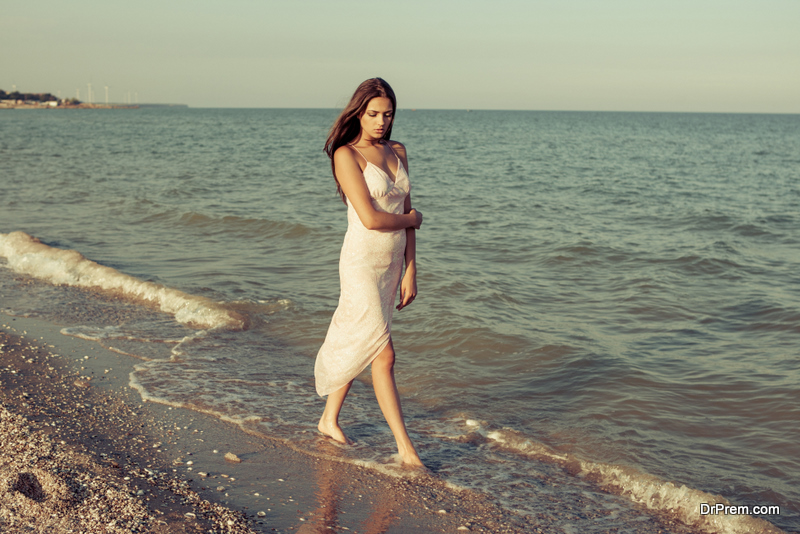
x=607, y=300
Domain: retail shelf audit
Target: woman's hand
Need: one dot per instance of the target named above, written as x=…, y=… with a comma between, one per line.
x=418, y=215
x=408, y=288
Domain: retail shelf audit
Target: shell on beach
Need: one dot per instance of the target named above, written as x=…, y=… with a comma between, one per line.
x=230, y=457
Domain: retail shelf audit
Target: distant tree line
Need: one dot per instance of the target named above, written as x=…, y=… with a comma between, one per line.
x=28, y=97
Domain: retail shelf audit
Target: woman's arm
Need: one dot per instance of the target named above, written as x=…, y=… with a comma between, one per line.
x=351, y=180
x=408, y=285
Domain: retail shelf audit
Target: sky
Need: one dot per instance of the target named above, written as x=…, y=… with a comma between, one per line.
x=599, y=55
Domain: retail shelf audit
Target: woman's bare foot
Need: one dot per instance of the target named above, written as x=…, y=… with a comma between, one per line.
x=414, y=463
x=410, y=458
x=333, y=431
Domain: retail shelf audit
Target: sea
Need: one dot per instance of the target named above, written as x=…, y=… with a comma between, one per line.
x=609, y=303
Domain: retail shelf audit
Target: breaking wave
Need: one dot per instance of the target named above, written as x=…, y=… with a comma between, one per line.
x=660, y=496
x=28, y=255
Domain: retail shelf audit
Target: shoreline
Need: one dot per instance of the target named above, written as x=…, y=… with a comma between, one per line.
x=84, y=105
x=90, y=436
x=69, y=106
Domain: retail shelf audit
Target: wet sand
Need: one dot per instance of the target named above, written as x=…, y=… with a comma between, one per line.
x=80, y=452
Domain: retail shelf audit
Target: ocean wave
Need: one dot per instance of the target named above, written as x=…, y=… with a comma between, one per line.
x=28, y=255
x=661, y=496
x=243, y=226
x=695, y=265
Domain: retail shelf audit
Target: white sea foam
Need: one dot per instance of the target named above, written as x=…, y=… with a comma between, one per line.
x=98, y=333
x=146, y=396
x=662, y=496
x=28, y=255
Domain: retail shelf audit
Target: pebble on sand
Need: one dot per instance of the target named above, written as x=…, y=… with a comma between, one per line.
x=230, y=457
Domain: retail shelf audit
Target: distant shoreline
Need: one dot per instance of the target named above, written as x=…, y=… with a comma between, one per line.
x=83, y=105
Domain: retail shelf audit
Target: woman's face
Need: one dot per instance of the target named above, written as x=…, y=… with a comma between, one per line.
x=377, y=117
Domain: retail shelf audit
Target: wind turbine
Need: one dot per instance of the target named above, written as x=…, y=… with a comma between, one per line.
x=106, y=95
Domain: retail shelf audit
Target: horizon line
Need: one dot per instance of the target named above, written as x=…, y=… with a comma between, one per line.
x=510, y=109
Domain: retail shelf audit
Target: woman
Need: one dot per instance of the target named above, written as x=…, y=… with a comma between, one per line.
x=370, y=173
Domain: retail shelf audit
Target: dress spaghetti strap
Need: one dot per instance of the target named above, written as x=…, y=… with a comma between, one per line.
x=362, y=155
x=392, y=149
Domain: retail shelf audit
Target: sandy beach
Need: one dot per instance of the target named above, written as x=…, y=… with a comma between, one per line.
x=82, y=453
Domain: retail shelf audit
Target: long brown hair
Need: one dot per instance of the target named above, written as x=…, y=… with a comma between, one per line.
x=348, y=124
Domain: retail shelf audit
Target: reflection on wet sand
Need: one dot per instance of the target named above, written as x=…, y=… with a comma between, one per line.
x=330, y=492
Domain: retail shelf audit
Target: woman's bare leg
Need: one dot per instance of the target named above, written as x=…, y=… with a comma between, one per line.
x=389, y=401
x=329, y=422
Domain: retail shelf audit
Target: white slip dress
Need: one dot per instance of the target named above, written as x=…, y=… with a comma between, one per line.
x=370, y=266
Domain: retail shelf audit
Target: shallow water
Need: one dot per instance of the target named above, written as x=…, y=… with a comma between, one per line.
x=607, y=300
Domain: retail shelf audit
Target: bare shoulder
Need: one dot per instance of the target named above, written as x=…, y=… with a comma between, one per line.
x=345, y=159
x=345, y=163
x=344, y=154
x=398, y=147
